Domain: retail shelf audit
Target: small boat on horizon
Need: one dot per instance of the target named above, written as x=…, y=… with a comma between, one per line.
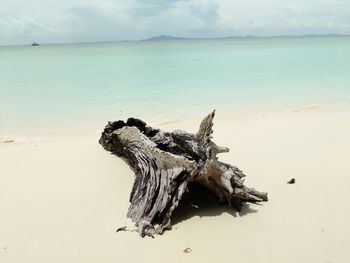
x=35, y=44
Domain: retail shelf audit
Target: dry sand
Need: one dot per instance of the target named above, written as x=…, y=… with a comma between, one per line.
x=62, y=199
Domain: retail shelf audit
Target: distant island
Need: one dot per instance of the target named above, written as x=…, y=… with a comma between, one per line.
x=34, y=44
x=165, y=38
x=170, y=38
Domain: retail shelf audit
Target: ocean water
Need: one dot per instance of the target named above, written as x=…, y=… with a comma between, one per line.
x=59, y=84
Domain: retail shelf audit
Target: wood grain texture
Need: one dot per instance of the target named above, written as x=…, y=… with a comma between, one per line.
x=165, y=163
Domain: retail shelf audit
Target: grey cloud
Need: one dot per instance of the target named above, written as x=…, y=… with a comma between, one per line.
x=23, y=29
x=208, y=14
x=193, y=18
x=91, y=23
x=148, y=8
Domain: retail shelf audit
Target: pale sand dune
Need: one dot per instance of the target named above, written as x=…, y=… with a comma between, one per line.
x=61, y=200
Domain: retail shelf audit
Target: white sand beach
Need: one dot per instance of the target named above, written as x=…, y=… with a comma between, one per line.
x=62, y=198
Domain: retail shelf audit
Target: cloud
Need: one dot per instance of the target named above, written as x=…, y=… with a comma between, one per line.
x=273, y=17
x=182, y=18
x=101, y=20
x=23, y=28
x=151, y=8
x=96, y=23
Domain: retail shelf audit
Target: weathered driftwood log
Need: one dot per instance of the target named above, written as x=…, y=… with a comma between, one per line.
x=165, y=163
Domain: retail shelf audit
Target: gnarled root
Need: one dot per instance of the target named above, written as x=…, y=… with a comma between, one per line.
x=165, y=163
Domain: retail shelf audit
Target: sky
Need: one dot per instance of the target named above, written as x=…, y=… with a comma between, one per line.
x=65, y=21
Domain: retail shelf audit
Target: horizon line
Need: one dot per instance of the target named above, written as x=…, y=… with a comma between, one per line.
x=169, y=38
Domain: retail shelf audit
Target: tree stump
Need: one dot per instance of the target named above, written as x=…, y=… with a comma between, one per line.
x=165, y=163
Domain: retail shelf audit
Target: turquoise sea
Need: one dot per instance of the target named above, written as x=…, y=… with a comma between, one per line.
x=67, y=83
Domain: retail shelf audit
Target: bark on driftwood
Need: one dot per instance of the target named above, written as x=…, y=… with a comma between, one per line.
x=165, y=163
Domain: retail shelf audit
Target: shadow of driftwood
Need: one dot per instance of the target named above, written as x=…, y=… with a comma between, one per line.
x=199, y=201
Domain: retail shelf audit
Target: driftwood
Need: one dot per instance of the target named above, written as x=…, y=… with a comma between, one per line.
x=165, y=163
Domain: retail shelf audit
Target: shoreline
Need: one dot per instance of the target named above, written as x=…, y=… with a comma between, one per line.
x=82, y=127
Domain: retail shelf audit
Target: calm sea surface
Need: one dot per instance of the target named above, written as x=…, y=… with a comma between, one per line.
x=85, y=82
